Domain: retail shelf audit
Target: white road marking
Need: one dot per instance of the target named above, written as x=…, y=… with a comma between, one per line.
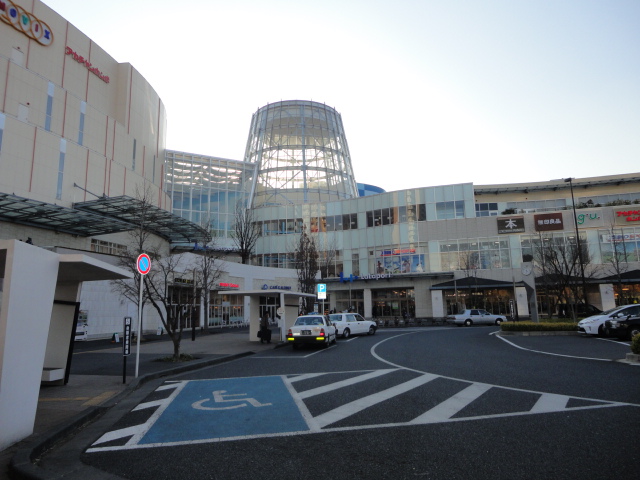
x=447, y=409
x=552, y=354
x=357, y=405
x=549, y=402
x=344, y=383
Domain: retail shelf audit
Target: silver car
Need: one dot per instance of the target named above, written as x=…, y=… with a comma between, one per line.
x=476, y=315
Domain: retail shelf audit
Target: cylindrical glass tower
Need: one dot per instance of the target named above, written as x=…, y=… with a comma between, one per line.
x=301, y=155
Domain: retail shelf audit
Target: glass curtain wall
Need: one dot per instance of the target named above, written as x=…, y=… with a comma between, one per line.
x=301, y=154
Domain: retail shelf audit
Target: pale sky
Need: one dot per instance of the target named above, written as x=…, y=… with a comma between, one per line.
x=431, y=92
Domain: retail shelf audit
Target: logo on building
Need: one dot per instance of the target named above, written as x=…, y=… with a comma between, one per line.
x=548, y=221
x=275, y=287
x=25, y=22
x=627, y=216
x=89, y=66
x=511, y=225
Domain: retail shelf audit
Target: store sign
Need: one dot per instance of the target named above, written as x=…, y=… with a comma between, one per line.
x=396, y=251
x=85, y=61
x=590, y=218
x=275, y=287
x=511, y=225
x=548, y=221
x=620, y=237
x=229, y=285
x=25, y=22
x=627, y=216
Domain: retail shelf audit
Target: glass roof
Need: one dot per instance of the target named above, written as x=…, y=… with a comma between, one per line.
x=98, y=217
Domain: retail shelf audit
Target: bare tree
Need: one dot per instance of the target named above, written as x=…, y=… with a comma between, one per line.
x=561, y=263
x=326, y=255
x=617, y=261
x=173, y=302
x=306, y=263
x=245, y=232
x=208, y=268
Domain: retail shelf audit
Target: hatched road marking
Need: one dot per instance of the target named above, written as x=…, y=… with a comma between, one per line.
x=178, y=419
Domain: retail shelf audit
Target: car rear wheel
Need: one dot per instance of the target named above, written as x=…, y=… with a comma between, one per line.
x=633, y=331
x=468, y=322
x=498, y=321
x=372, y=330
x=346, y=333
x=295, y=346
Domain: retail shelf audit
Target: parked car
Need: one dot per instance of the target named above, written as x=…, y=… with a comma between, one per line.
x=582, y=310
x=472, y=316
x=625, y=328
x=348, y=324
x=595, y=324
x=313, y=329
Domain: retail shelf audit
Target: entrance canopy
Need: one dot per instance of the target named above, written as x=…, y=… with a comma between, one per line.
x=468, y=283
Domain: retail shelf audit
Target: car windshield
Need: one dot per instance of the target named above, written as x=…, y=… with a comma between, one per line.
x=309, y=321
x=335, y=317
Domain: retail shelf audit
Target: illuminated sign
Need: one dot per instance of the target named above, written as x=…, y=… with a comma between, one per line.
x=85, y=61
x=229, y=285
x=628, y=216
x=25, y=22
x=396, y=251
x=548, y=221
x=511, y=225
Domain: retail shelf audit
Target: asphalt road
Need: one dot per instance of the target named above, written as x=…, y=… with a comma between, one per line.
x=439, y=403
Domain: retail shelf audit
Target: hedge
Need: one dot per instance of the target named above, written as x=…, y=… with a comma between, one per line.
x=538, y=327
x=635, y=344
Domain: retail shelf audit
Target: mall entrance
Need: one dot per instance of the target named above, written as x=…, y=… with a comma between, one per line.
x=393, y=302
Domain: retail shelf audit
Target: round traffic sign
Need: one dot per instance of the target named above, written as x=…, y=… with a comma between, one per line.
x=143, y=264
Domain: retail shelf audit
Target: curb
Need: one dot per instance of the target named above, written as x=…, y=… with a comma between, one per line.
x=22, y=464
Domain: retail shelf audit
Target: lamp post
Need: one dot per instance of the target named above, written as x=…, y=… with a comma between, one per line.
x=579, y=246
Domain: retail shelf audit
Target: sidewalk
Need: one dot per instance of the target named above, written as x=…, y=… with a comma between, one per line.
x=95, y=384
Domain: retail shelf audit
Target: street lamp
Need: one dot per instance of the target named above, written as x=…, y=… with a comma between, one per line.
x=575, y=222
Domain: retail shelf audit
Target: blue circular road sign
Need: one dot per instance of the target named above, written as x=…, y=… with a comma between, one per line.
x=143, y=264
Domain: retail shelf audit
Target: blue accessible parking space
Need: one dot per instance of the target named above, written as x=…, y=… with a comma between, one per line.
x=235, y=407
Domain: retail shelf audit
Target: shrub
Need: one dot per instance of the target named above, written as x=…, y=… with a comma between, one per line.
x=538, y=327
x=635, y=344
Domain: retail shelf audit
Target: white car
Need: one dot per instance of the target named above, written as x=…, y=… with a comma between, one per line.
x=348, y=324
x=313, y=329
x=594, y=325
x=476, y=315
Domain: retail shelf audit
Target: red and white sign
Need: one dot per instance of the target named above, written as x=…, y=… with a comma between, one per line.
x=143, y=264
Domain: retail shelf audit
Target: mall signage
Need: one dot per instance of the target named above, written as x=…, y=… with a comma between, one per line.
x=589, y=218
x=228, y=285
x=25, y=22
x=511, y=225
x=548, y=221
x=275, y=287
x=628, y=216
x=85, y=61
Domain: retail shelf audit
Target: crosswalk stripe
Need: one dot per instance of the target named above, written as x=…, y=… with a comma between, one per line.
x=451, y=406
x=356, y=406
x=344, y=383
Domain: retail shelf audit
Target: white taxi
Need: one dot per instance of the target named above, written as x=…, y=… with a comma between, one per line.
x=312, y=329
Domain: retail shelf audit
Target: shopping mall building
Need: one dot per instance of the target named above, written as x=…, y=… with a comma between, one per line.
x=83, y=157
x=82, y=137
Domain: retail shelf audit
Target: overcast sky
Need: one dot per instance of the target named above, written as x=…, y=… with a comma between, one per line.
x=431, y=92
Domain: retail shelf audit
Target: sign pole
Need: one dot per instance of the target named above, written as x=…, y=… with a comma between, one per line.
x=143, y=265
x=139, y=327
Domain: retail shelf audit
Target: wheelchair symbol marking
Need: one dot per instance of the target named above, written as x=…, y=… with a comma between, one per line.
x=218, y=397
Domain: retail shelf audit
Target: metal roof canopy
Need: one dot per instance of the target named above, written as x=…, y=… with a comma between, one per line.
x=99, y=217
x=159, y=221
x=55, y=217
